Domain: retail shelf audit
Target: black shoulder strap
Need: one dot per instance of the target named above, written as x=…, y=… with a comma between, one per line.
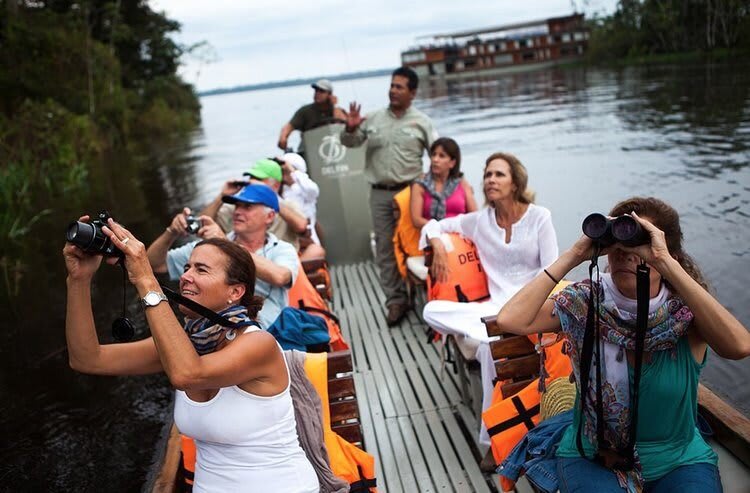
x=203, y=311
x=312, y=309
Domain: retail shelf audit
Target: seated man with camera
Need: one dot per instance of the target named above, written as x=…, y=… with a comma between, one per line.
x=276, y=263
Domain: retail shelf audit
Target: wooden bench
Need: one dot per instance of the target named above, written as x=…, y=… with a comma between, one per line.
x=316, y=270
x=342, y=397
x=516, y=359
x=343, y=407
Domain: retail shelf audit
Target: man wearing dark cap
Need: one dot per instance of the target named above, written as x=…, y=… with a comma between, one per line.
x=322, y=110
x=275, y=261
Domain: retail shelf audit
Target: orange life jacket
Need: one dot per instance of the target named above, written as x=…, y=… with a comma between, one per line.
x=304, y=296
x=405, y=236
x=468, y=281
x=509, y=419
x=187, y=463
x=348, y=462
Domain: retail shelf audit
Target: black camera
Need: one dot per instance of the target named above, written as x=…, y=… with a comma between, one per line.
x=624, y=230
x=193, y=224
x=90, y=238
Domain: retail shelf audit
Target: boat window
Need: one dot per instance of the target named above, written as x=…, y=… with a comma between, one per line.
x=503, y=59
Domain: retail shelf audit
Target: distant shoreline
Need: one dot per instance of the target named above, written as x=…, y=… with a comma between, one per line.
x=296, y=82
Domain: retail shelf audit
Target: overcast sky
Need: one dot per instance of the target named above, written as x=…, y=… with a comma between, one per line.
x=264, y=40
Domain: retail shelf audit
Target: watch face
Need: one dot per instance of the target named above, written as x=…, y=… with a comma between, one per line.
x=152, y=298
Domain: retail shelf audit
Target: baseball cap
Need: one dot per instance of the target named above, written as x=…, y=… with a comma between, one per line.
x=323, y=85
x=255, y=193
x=265, y=168
x=297, y=161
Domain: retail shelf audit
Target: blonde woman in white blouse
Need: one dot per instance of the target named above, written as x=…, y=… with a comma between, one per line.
x=515, y=240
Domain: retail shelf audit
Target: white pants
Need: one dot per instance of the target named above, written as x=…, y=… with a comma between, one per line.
x=464, y=322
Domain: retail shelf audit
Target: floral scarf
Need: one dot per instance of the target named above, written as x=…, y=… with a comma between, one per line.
x=206, y=335
x=668, y=320
x=438, y=204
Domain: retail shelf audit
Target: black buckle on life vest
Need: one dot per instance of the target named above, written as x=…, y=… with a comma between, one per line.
x=363, y=485
x=524, y=417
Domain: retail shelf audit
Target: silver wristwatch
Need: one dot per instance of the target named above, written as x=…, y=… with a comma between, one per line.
x=153, y=298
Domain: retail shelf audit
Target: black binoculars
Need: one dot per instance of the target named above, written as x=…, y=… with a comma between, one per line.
x=624, y=230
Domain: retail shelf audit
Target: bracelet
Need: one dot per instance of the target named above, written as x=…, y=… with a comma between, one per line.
x=169, y=229
x=550, y=276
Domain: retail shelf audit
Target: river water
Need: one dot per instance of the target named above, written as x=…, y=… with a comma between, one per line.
x=589, y=138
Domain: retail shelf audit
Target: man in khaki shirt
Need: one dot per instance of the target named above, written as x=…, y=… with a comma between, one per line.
x=396, y=137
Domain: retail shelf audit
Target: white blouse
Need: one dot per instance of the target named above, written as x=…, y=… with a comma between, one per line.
x=509, y=266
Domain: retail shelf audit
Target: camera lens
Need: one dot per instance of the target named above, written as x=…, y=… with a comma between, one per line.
x=80, y=234
x=595, y=226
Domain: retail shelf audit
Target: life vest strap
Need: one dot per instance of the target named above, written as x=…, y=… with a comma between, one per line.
x=524, y=417
x=363, y=485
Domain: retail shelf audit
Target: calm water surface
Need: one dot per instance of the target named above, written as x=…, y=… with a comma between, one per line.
x=589, y=137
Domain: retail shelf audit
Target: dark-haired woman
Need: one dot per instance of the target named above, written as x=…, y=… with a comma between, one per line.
x=515, y=240
x=683, y=321
x=232, y=385
x=443, y=192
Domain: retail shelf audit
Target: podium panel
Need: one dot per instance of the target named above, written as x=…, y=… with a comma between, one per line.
x=343, y=204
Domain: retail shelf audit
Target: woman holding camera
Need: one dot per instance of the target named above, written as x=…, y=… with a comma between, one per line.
x=683, y=321
x=515, y=240
x=232, y=384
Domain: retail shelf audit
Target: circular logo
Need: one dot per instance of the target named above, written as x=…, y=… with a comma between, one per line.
x=331, y=150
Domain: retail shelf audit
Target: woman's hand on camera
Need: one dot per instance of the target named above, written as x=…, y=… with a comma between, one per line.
x=80, y=265
x=210, y=229
x=655, y=252
x=136, y=260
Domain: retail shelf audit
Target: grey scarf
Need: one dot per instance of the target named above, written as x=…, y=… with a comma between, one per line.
x=437, y=206
x=308, y=412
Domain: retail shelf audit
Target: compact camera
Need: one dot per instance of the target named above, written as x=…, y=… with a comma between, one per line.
x=193, y=224
x=90, y=238
x=606, y=231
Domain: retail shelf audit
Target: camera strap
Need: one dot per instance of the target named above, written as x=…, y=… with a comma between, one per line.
x=202, y=310
x=641, y=326
x=622, y=459
x=591, y=336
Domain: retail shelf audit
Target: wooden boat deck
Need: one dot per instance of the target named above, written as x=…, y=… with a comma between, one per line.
x=413, y=420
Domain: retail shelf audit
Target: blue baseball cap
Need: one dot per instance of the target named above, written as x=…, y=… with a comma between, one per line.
x=255, y=193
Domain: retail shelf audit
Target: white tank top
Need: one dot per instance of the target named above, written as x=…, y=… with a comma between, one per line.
x=245, y=442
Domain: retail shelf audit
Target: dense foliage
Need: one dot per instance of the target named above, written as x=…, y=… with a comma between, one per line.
x=647, y=27
x=78, y=79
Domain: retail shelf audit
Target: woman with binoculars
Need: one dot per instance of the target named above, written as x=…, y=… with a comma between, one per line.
x=231, y=377
x=638, y=407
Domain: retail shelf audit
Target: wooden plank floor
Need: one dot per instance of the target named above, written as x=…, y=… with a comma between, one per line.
x=414, y=423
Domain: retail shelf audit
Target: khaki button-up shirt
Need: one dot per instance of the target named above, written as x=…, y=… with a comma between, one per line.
x=394, y=145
